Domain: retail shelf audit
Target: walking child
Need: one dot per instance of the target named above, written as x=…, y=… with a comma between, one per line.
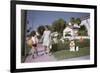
x=34, y=44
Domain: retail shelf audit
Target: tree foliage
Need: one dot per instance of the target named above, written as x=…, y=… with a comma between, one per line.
x=78, y=21
x=75, y=20
x=59, y=25
x=83, y=31
x=72, y=20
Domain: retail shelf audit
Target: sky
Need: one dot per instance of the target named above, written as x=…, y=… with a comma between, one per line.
x=37, y=18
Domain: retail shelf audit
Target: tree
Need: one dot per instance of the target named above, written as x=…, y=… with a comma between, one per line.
x=78, y=21
x=59, y=25
x=72, y=20
x=83, y=31
x=75, y=21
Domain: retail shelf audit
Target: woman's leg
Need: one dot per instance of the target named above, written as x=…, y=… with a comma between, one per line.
x=45, y=49
x=48, y=50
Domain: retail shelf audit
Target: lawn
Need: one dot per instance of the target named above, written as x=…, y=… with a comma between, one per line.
x=66, y=54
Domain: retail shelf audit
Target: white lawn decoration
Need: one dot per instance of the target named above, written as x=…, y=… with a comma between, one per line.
x=72, y=45
x=77, y=48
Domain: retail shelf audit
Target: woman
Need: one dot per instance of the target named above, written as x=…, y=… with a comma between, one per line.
x=46, y=40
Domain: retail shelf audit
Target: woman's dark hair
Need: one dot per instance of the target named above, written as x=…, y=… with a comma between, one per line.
x=46, y=27
x=33, y=33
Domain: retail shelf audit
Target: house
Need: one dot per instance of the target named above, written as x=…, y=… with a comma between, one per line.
x=70, y=31
x=86, y=21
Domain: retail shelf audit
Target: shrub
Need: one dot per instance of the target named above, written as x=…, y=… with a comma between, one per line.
x=60, y=46
x=65, y=46
x=84, y=43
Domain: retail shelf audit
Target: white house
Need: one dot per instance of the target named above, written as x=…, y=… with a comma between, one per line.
x=68, y=32
x=72, y=30
x=86, y=21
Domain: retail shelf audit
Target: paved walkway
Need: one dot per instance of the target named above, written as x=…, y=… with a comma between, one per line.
x=40, y=58
x=43, y=58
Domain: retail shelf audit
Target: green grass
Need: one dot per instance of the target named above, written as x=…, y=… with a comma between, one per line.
x=66, y=54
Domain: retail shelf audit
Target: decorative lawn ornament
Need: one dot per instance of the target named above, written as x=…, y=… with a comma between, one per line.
x=77, y=48
x=72, y=46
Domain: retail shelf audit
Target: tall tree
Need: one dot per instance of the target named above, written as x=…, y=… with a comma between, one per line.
x=75, y=20
x=78, y=21
x=83, y=31
x=59, y=25
x=72, y=20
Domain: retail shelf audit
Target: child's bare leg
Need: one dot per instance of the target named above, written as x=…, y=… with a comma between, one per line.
x=33, y=52
x=36, y=51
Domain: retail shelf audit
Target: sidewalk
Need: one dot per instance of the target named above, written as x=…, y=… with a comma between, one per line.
x=40, y=58
x=44, y=58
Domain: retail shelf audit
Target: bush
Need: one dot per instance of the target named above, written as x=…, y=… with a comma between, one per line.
x=82, y=33
x=60, y=46
x=84, y=43
x=54, y=48
x=65, y=46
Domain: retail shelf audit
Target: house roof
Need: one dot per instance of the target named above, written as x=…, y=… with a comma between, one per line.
x=85, y=17
x=76, y=26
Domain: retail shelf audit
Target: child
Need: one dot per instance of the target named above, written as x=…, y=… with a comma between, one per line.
x=72, y=45
x=34, y=44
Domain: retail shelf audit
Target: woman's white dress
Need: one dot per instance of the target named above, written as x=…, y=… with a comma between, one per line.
x=46, y=38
